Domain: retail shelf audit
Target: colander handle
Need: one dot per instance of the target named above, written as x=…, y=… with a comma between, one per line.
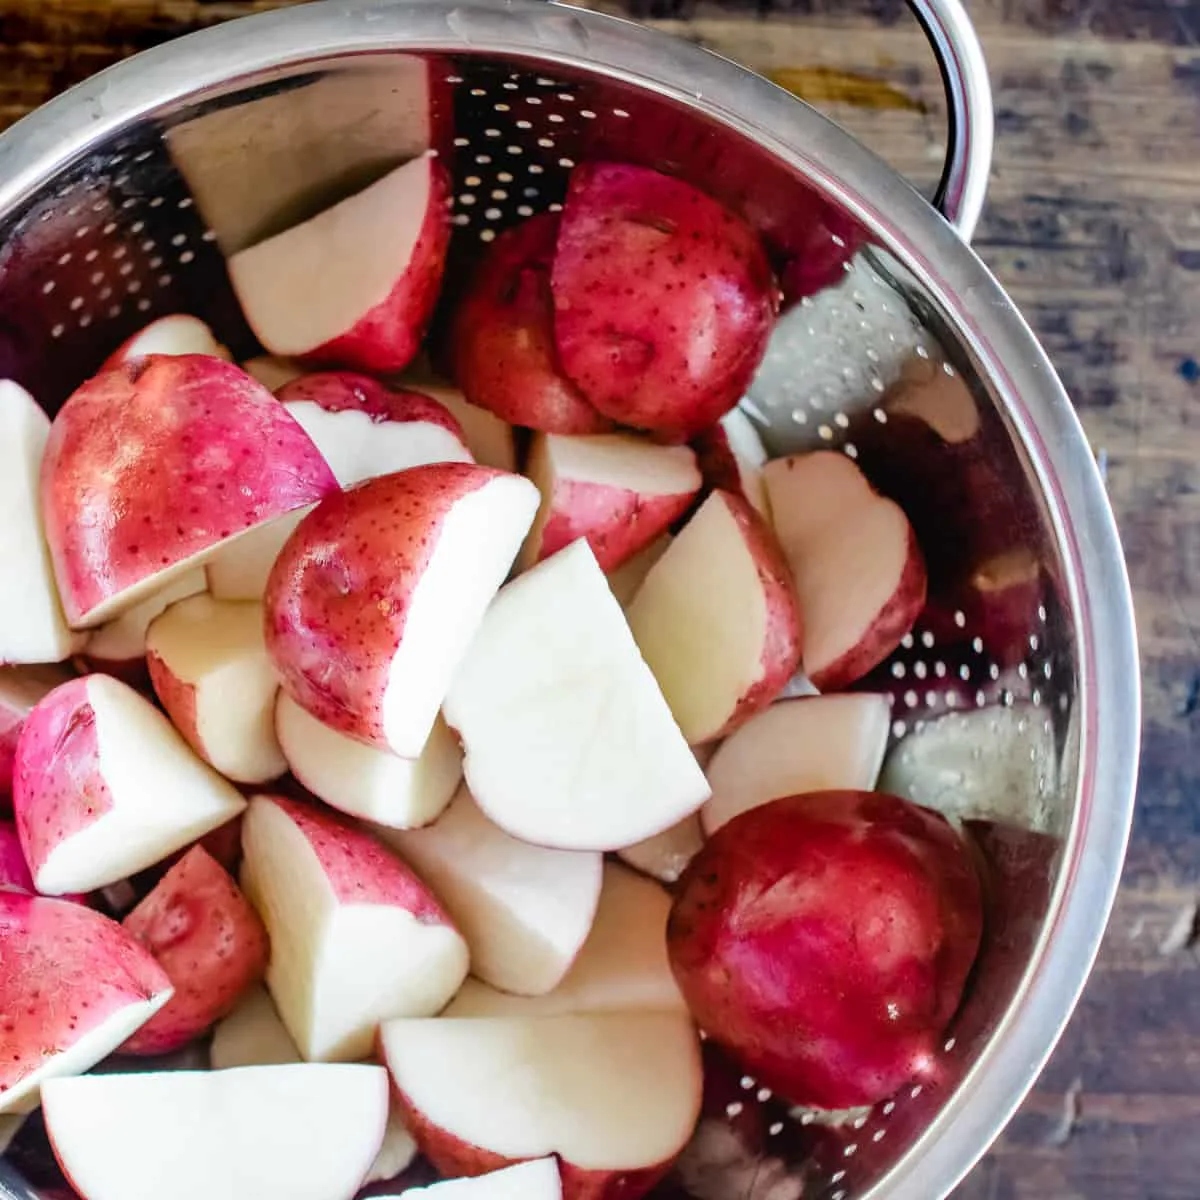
x=963, y=188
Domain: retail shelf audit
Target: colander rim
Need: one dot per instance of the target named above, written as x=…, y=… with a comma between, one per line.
x=976, y=308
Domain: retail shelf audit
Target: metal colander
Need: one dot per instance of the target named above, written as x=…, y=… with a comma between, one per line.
x=120, y=200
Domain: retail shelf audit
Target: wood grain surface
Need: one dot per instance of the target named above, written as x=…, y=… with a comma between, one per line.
x=1094, y=226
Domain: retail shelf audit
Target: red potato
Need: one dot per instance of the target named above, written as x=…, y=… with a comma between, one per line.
x=365, y=429
x=622, y=966
x=535, y=1180
x=717, y=620
x=525, y=911
x=491, y=441
x=858, y=570
x=356, y=285
x=119, y=648
x=502, y=342
x=104, y=787
x=362, y=781
x=377, y=595
x=176, y=334
x=837, y=997
x=614, y=1096
x=368, y=942
x=102, y=984
x=663, y=299
x=252, y=1035
x=33, y=628
x=815, y=744
x=296, y=1132
x=152, y=466
x=272, y=372
x=619, y=492
x=14, y=870
x=732, y=457
x=209, y=666
x=568, y=740
x=211, y=943
x=21, y=688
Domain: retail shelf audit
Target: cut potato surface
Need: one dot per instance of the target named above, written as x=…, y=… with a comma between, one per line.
x=855, y=562
x=121, y=644
x=209, y=666
x=33, y=628
x=666, y=855
x=537, y=1180
x=489, y=438
x=622, y=966
x=568, y=740
x=815, y=744
x=605, y=1092
x=252, y=1035
x=377, y=785
x=305, y=1132
x=357, y=282
x=524, y=910
x=717, y=619
x=355, y=936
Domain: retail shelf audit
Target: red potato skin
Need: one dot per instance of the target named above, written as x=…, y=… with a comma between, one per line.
x=664, y=299
x=178, y=700
x=338, y=595
x=502, y=340
x=13, y=714
x=783, y=646
x=208, y=939
x=157, y=460
x=359, y=869
x=345, y=391
x=388, y=337
x=88, y=964
x=57, y=789
x=617, y=523
x=718, y=463
x=453, y=1157
x=887, y=630
x=825, y=940
x=14, y=871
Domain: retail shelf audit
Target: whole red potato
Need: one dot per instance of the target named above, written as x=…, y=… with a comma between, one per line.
x=825, y=939
x=663, y=299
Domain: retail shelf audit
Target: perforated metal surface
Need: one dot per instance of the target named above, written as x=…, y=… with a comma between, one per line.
x=123, y=234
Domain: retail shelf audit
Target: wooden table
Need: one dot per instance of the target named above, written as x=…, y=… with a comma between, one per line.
x=1094, y=226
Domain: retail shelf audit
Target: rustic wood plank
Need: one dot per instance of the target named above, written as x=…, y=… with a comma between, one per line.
x=1093, y=227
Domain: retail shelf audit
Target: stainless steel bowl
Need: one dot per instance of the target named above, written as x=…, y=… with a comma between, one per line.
x=118, y=199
